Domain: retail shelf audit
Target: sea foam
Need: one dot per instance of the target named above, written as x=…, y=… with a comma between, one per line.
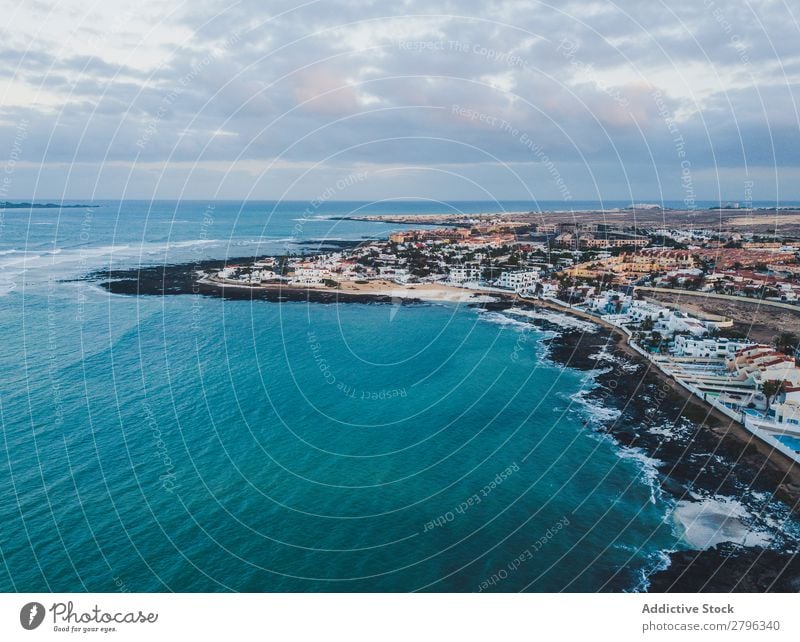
x=714, y=520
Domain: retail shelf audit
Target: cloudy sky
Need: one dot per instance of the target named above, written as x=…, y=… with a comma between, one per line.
x=683, y=100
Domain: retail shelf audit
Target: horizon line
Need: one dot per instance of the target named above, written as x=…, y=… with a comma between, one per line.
x=642, y=201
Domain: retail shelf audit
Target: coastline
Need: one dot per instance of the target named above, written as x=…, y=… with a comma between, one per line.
x=720, y=424
x=183, y=279
x=710, y=457
x=698, y=461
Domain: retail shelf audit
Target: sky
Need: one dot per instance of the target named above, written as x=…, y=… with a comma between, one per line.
x=354, y=100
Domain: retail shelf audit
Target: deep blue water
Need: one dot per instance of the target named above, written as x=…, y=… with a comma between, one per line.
x=194, y=444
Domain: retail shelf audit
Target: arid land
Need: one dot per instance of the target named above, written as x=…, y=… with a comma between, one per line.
x=764, y=221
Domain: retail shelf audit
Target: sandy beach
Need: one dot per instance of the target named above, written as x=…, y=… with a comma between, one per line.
x=380, y=289
x=421, y=291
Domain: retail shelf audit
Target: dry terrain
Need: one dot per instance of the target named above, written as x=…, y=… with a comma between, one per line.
x=751, y=319
x=762, y=221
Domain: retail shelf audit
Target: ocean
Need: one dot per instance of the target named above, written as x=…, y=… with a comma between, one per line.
x=188, y=443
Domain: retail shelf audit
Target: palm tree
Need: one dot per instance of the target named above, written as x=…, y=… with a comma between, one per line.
x=771, y=389
x=786, y=342
x=656, y=340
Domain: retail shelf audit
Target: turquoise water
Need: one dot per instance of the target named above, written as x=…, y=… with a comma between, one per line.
x=193, y=444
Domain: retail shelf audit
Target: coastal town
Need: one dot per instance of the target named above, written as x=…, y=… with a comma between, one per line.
x=612, y=273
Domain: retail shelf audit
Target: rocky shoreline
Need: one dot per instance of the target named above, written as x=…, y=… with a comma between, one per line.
x=693, y=449
x=182, y=278
x=694, y=460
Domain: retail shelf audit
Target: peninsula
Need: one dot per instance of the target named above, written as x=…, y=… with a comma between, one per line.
x=8, y=205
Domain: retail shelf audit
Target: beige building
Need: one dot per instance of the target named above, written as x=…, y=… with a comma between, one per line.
x=631, y=265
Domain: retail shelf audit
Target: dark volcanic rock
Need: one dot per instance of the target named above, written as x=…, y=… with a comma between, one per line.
x=729, y=568
x=695, y=460
x=162, y=280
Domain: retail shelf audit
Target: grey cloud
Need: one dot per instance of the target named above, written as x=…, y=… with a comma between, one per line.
x=578, y=82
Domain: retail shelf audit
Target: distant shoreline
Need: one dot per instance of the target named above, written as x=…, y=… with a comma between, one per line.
x=760, y=219
x=7, y=205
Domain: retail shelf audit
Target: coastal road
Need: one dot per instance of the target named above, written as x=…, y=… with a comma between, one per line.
x=724, y=427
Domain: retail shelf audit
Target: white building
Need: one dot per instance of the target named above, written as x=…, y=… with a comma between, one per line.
x=759, y=363
x=667, y=321
x=641, y=310
x=686, y=346
x=401, y=275
x=677, y=322
x=310, y=275
x=464, y=273
x=610, y=302
x=228, y=272
x=519, y=280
